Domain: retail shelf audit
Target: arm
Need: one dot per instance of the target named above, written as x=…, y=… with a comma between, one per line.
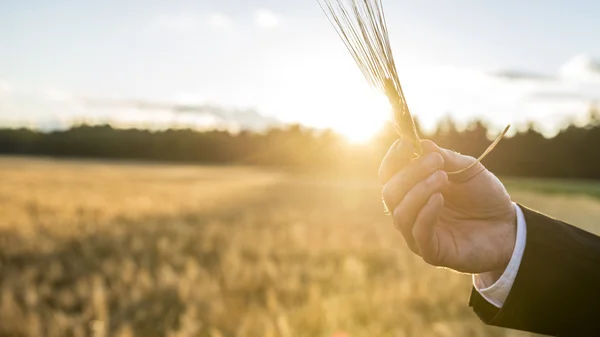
x=556, y=290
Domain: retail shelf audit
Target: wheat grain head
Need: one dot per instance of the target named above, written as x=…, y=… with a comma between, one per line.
x=362, y=26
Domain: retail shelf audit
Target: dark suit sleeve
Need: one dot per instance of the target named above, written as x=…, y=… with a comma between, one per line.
x=557, y=288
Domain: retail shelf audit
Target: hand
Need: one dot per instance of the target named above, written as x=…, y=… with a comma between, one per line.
x=466, y=223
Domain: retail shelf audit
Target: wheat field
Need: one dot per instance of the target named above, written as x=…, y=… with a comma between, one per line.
x=90, y=248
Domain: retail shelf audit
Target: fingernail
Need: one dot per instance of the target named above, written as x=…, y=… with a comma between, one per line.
x=432, y=178
x=404, y=145
x=434, y=160
x=436, y=177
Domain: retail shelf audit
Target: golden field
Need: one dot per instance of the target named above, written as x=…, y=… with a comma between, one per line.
x=90, y=248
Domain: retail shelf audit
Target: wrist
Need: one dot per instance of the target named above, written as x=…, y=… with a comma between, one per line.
x=510, y=239
x=495, y=286
x=506, y=251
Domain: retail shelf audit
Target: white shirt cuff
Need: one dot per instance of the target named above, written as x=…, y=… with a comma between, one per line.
x=497, y=293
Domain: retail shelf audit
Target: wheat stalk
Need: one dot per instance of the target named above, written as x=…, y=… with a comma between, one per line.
x=361, y=25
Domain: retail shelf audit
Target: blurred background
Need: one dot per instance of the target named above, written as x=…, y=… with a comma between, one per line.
x=201, y=168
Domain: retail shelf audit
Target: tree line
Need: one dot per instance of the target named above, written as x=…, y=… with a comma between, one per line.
x=572, y=153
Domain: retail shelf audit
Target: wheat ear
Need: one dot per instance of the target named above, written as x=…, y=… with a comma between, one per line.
x=361, y=25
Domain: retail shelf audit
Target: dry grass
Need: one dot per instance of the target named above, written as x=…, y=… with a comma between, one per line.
x=101, y=249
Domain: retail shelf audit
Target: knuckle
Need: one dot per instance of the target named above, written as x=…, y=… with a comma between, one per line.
x=398, y=212
x=387, y=192
x=429, y=183
x=430, y=162
x=396, y=144
x=381, y=172
x=423, y=186
x=398, y=217
x=414, y=194
x=403, y=148
x=434, y=181
x=438, y=160
x=401, y=145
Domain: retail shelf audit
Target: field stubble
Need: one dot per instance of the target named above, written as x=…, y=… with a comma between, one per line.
x=107, y=249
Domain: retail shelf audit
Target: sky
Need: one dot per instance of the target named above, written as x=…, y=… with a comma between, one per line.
x=253, y=63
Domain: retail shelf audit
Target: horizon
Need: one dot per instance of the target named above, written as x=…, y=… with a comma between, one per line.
x=259, y=63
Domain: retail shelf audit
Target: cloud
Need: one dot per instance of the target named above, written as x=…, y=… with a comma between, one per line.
x=58, y=95
x=558, y=95
x=266, y=18
x=178, y=22
x=582, y=67
x=519, y=75
x=504, y=97
x=187, y=23
x=578, y=68
x=48, y=107
x=577, y=80
x=5, y=87
x=245, y=118
x=219, y=20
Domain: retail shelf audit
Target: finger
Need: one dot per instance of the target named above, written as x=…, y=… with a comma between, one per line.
x=454, y=161
x=405, y=214
x=399, y=154
x=397, y=187
x=423, y=231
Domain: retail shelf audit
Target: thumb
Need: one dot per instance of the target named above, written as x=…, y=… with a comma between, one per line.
x=454, y=162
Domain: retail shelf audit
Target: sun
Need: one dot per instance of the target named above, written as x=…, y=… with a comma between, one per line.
x=337, y=97
x=360, y=131
x=364, y=118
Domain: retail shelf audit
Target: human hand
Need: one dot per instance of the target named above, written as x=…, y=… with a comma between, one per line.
x=466, y=223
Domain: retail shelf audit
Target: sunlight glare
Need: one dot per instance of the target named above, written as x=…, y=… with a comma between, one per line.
x=365, y=119
x=360, y=132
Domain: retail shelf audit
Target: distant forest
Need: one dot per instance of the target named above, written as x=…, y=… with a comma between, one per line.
x=573, y=153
